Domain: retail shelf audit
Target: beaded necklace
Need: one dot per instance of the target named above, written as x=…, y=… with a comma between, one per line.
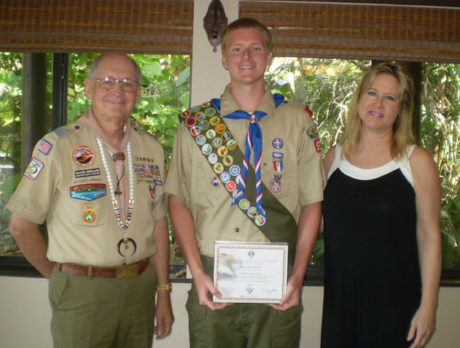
x=116, y=207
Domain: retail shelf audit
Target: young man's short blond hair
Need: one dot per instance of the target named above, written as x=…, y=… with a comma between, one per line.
x=247, y=23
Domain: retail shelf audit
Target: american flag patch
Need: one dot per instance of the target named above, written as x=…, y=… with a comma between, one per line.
x=45, y=147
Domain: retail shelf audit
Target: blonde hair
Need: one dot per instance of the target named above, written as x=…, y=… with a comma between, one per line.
x=402, y=128
x=247, y=23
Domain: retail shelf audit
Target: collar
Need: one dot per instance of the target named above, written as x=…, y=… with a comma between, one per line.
x=229, y=104
x=90, y=121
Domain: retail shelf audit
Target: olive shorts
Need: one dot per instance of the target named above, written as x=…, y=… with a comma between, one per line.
x=102, y=312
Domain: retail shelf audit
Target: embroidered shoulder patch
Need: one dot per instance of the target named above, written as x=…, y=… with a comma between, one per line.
x=34, y=168
x=45, y=147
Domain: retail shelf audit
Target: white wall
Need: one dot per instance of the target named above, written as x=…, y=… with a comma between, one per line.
x=25, y=316
x=24, y=311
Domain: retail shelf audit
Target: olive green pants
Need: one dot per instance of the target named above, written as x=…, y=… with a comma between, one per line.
x=97, y=312
x=241, y=325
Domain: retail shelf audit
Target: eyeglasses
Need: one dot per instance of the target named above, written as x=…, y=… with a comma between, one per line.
x=109, y=83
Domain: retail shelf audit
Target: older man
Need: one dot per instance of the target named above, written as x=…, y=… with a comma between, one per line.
x=215, y=194
x=98, y=184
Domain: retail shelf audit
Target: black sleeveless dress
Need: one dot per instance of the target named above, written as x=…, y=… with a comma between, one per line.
x=372, y=280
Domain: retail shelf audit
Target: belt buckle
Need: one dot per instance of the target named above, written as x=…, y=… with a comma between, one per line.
x=128, y=271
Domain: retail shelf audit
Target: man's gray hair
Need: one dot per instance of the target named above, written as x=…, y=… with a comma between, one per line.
x=95, y=65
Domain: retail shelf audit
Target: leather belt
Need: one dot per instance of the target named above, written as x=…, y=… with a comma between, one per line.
x=125, y=271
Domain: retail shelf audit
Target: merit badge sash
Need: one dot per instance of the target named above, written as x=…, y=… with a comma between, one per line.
x=217, y=144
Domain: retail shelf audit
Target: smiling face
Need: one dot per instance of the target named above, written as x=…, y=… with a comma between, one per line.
x=114, y=103
x=246, y=56
x=380, y=104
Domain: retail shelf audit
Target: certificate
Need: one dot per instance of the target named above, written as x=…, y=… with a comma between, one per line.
x=250, y=272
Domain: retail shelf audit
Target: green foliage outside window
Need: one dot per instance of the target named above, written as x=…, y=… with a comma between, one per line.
x=325, y=85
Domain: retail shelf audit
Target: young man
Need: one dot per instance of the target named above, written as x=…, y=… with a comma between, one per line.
x=98, y=184
x=216, y=194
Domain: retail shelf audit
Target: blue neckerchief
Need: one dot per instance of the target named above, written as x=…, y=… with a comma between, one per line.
x=253, y=141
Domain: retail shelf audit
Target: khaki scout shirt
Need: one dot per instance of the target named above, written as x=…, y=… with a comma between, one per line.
x=287, y=130
x=67, y=163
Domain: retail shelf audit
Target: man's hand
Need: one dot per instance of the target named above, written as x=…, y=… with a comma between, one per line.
x=163, y=315
x=205, y=288
x=292, y=296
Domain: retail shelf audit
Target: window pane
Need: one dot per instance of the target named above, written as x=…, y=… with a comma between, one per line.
x=10, y=141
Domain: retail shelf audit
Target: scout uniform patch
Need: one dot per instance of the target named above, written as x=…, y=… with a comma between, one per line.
x=45, y=147
x=84, y=156
x=34, y=168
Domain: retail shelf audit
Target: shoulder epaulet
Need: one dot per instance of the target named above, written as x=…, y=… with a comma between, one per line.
x=308, y=111
x=61, y=132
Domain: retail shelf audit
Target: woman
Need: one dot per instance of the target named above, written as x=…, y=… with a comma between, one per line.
x=381, y=222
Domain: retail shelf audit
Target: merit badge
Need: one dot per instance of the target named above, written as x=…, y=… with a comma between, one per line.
x=231, y=144
x=89, y=213
x=34, y=168
x=200, y=115
x=235, y=170
x=195, y=130
x=210, y=112
x=278, y=143
x=214, y=120
x=228, y=160
x=211, y=133
x=222, y=151
x=226, y=136
x=252, y=212
x=204, y=125
x=45, y=147
x=190, y=121
x=205, y=105
x=244, y=204
x=213, y=158
x=88, y=192
x=206, y=149
x=220, y=128
x=225, y=177
x=201, y=139
x=216, y=142
x=230, y=186
x=195, y=108
x=218, y=168
x=185, y=114
x=260, y=220
x=276, y=185
x=84, y=156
